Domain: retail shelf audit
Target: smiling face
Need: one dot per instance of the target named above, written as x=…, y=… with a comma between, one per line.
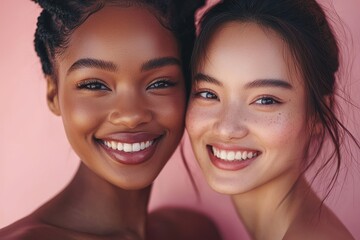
x=247, y=114
x=121, y=95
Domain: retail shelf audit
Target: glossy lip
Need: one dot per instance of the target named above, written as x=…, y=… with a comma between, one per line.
x=230, y=165
x=130, y=158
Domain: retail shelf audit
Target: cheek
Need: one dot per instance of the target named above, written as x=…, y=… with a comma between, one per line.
x=198, y=119
x=170, y=112
x=80, y=115
x=283, y=129
x=190, y=119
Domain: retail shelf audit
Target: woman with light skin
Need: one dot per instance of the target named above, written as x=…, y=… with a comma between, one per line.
x=116, y=73
x=261, y=108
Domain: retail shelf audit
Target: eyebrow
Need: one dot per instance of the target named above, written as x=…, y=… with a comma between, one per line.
x=206, y=78
x=269, y=83
x=254, y=84
x=159, y=62
x=92, y=63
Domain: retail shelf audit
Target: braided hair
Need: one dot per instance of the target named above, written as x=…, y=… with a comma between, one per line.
x=59, y=19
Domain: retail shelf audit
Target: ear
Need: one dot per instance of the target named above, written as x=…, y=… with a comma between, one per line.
x=318, y=126
x=52, y=95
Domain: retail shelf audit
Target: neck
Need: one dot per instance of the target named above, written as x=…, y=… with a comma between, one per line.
x=268, y=211
x=90, y=204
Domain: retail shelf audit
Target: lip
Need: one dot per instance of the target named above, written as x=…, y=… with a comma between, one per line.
x=230, y=147
x=230, y=165
x=130, y=158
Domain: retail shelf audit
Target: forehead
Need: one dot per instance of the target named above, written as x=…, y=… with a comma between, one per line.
x=116, y=31
x=249, y=50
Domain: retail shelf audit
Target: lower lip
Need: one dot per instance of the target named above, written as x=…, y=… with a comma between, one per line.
x=229, y=165
x=131, y=158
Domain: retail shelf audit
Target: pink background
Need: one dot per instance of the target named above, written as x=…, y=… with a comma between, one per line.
x=36, y=160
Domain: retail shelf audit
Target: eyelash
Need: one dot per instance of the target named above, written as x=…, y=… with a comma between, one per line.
x=161, y=84
x=264, y=100
x=259, y=101
x=92, y=85
x=205, y=95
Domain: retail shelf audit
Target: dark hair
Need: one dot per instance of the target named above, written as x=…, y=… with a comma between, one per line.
x=304, y=27
x=59, y=19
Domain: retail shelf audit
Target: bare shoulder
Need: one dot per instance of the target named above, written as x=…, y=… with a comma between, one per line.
x=29, y=229
x=181, y=223
x=325, y=226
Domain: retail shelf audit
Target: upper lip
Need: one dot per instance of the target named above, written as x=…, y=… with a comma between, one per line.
x=232, y=147
x=128, y=137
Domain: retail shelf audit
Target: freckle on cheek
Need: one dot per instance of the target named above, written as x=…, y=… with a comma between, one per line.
x=280, y=124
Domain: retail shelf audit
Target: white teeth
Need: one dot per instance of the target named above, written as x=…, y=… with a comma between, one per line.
x=136, y=147
x=230, y=156
x=223, y=154
x=233, y=155
x=216, y=152
x=120, y=146
x=128, y=147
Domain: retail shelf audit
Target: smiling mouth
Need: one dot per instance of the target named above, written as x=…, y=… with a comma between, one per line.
x=132, y=152
x=128, y=147
x=232, y=155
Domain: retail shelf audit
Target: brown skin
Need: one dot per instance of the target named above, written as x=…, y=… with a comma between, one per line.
x=77, y=221
x=126, y=103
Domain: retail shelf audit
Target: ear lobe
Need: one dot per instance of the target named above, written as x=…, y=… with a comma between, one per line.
x=52, y=96
x=319, y=128
x=329, y=101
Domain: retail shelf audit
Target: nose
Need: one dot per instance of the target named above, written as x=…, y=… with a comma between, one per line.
x=231, y=123
x=130, y=112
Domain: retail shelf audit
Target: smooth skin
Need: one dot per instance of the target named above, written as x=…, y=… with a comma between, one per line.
x=119, y=81
x=249, y=100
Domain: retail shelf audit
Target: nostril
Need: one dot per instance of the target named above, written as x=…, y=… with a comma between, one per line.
x=113, y=116
x=230, y=129
x=130, y=119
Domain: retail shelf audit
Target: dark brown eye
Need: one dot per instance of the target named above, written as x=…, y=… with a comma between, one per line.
x=92, y=85
x=266, y=101
x=206, y=95
x=160, y=84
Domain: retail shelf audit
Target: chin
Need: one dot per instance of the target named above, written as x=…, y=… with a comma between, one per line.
x=134, y=185
x=224, y=189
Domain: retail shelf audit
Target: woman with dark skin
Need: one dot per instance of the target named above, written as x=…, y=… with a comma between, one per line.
x=262, y=108
x=116, y=73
